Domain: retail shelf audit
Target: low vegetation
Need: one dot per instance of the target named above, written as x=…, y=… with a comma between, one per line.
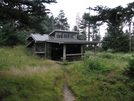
x=28, y=78
x=102, y=78
x=105, y=77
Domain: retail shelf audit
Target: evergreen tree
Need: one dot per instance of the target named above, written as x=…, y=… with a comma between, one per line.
x=75, y=28
x=18, y=16
x=91, y=22
x=61, y=21
x=9, y=36
x=114, y=17
x=116, y=39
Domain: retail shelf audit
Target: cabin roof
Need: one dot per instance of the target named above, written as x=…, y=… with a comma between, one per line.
x=75, y=32
x=71, y=41
x=47, y=38
x=38, y=37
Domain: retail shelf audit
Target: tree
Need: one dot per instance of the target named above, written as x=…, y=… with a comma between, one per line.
x=18, y=16
x=21, y=11
x=9, y=36
x=75, y=28
x=118, y=43
x=78, y=21
x=60, y=22
x=42, y=26
x=129, y=13
x=91, y=22
x=114, y=17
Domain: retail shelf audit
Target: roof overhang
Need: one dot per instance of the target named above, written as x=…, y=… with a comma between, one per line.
x=72, y=41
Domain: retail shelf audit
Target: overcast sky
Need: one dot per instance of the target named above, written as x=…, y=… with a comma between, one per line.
x=72, y=7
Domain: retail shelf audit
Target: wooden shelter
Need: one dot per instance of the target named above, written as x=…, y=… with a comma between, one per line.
x=59, y=44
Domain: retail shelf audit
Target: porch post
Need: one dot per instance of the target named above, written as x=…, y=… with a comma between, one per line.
x=45, y=49
x=64, y=52
x=95, y=48
x=82, y=50
x=34, y=48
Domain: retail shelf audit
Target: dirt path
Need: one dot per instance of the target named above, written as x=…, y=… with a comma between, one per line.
x=68, y=96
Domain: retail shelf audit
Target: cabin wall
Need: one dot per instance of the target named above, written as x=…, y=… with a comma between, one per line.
x=32, y=49
x=55, y=51
x=40, y=47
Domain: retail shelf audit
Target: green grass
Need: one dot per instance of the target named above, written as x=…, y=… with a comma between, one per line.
x=101, y=78
x=25, y=77
x=28, y=78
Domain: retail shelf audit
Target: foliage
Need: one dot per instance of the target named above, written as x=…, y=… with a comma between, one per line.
x=65, y=62
x=116, y=40
x=130, y=69
x=25, y=78
x=94, y=64
x=89, y=47
x=2, y=38
x=115, y=18
x=21, y=10
x=19, y=17
x=61, y=21
x=95, y=85
x=75, y=28
x=10, y=36
x=108, y=56
x=91, y=22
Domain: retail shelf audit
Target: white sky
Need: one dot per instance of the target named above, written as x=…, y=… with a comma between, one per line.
x=72, y=7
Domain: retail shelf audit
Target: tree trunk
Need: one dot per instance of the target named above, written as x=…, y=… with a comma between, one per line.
x=88, y=32
x=130, y=37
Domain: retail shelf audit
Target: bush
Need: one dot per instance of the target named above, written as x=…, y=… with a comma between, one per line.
x=100, y=49
x=130, y=69
x=94, y=64
x=108, y=56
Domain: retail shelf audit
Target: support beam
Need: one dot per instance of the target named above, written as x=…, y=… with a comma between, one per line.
x=45, y=50
x=64, y=52
x=82, y=50
x=34, y=48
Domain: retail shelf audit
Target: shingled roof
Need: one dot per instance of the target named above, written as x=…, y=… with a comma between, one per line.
x=38, y=37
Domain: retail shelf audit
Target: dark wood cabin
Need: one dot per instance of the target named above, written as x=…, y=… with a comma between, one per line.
x=59, y=44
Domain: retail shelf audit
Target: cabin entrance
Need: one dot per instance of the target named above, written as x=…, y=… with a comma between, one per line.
x=57, y=51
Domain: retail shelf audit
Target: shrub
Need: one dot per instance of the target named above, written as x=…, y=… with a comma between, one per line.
x=108, y=56
x=100, y=49
x=132, y=55
x=130, y=69
x=94, y=64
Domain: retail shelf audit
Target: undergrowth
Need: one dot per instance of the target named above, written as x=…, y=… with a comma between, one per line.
x=24, y=77
x=28, y=78
x=101, y=78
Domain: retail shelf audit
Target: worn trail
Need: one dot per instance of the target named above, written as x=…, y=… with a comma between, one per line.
x=68, y=96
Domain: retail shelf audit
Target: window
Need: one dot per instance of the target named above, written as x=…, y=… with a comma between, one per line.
x=65, y=35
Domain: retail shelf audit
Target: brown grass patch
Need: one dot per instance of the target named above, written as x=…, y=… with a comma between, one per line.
x=28, y=71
